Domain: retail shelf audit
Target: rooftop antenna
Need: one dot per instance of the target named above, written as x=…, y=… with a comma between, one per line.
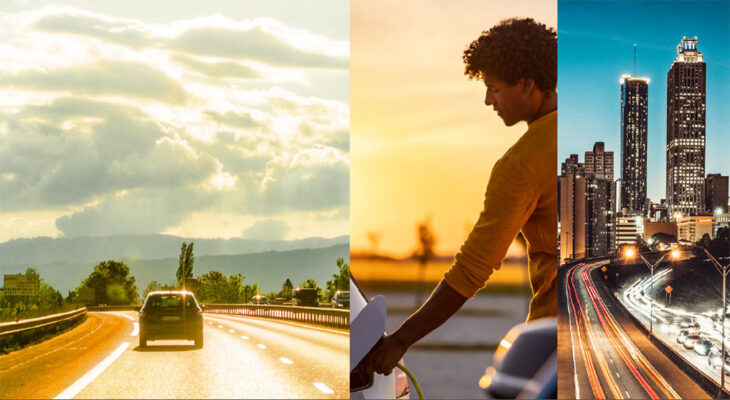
x=634, y=59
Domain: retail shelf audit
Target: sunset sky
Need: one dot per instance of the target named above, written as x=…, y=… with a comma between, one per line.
x=199, y=119
x=423, y=142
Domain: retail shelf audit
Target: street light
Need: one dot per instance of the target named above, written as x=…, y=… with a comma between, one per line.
x=723, y=270
x=630, y=253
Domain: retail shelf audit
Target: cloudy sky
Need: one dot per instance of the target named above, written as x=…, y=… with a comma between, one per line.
x=423, y=143
x=208, y=119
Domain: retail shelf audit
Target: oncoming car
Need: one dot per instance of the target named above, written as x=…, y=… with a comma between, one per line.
x=305, y=297
x=341, y=299
x=170, y=314
x=259, y=299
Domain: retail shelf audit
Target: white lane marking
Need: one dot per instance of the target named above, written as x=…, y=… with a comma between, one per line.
x=244, y=337
x=231, y=331
x=85, y=380
x=260, y=346
x=220, y=326
x=341, y=332
x=135, y=331
x=286, y=360
x=323, y=388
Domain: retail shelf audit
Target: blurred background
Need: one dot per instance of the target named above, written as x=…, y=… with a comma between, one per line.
x=422, y=148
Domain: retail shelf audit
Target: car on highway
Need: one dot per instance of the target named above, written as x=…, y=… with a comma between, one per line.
x=714, y=360
x=170, y=314
x=374, y=386
x=259, y=299
x=683, y=333
x=305, y=297
x=341, y=299
x=703, y=346
x=691, y=340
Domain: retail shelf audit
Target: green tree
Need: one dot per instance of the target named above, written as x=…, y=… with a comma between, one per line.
x=112, y=283
x=152, y=287
x=339, y=281
x=214, y=287
x=185, y=269
x=286, y=289
x=311, y=283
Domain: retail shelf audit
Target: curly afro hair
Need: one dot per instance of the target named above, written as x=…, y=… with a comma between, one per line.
x=515, y=49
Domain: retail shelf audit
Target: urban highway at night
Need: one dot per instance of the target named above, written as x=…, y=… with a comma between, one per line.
x=604, y=355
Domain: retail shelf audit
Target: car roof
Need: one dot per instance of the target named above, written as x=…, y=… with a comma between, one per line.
x=168, y=292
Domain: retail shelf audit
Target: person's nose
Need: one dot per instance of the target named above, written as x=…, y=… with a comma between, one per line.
x=488, y=100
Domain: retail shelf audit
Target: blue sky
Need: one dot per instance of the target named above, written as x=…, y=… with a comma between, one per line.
x=595, y=47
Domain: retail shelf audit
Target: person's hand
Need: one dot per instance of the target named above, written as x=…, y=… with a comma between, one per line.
x=384, y=356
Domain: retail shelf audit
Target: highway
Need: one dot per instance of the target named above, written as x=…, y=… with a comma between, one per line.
x=602, y=354
x=242, y=358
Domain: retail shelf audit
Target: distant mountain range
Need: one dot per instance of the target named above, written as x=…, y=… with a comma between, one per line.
x=65, y=262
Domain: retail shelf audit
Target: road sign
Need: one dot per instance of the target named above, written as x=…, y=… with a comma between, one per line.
x=668, y=289
x=603, y=268
x=20, y=285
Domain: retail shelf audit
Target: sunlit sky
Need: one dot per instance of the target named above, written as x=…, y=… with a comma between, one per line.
x=593, y=53
x=423, y=143
x=199, y=119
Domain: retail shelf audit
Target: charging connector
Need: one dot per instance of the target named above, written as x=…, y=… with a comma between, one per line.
x=412, y=378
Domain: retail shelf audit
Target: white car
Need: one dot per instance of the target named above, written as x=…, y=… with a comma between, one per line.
x=376, y=386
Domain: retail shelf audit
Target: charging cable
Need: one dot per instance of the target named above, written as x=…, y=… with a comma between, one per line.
x=412, y=378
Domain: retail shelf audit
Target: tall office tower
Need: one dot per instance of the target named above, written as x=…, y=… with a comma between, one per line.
x=634, y=118
x=599, y=162
x=716, y=191
x=686, y=131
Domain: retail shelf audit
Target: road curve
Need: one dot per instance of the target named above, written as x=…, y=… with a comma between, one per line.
x=605, y=355
x=242, y=358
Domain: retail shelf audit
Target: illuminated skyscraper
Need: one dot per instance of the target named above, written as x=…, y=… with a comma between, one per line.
x=686, y=131
x=634, y=122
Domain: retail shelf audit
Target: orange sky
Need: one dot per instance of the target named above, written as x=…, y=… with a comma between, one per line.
x=422, y=141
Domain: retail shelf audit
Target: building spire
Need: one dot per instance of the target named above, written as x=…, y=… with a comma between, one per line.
x=634, y=59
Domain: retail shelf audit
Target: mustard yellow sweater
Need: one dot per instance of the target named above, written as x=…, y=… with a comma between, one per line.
x=521, y=195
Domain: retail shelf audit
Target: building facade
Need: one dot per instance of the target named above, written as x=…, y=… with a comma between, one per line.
x=692, y=228
x=716, y=192
x=686, y=131
x=634, y=123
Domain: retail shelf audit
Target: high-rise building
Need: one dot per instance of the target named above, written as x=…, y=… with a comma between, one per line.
x=599, y=162
x=634, y=123
x=572, y=192
x=587, y=205
x=716, y=191
x=686, y=131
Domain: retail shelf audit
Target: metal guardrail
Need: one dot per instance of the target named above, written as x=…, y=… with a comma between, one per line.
x=8, y=328
x=329, y=317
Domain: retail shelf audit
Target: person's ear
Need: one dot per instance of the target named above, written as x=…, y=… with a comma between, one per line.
x=527, y=84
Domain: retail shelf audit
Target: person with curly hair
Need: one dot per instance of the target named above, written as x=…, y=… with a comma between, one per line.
x=517, y=61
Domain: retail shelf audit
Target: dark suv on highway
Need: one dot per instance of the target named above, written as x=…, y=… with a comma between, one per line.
x=170, y=314
x=305, y=297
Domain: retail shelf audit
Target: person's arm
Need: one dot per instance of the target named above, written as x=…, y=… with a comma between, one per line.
x=440, y=306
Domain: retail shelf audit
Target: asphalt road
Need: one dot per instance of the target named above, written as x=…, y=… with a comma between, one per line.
x=242, y=358
x=602, y=354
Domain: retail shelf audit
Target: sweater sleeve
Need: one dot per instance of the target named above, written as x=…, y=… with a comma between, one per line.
x=509, y=201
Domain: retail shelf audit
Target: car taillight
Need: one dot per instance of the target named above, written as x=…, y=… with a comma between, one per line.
x=401, y=383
